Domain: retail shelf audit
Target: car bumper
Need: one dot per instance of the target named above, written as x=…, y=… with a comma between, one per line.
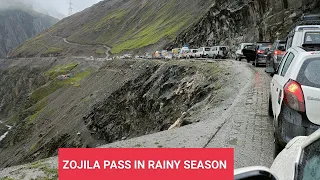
x=295, y=124
x=262, y=59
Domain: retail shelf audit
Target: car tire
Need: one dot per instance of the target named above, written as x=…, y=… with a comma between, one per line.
x=277, y=148
x=270, y=111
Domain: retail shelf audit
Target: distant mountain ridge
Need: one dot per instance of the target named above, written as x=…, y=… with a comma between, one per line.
x=134, y=26
x=18, y=25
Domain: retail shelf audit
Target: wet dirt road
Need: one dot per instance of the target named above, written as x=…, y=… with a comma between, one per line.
x=241, y=123
x=249, y=128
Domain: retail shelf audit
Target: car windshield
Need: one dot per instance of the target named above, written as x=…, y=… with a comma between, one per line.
x=223, y=48
x=310, y=162
x=312, y=38
x=207, y=49
x=194, y=51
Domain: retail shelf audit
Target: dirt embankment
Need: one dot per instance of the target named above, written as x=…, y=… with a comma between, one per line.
x=84, y=103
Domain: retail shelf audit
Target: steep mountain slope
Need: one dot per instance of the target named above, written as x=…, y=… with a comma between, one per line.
x=76, y=102
x=231, y=22
x=121, y=24
x=18, y=25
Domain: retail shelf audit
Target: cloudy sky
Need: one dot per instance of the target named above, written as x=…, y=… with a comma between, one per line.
x=57, y=8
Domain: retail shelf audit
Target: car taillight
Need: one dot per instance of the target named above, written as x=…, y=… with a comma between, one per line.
x=277, y=52
x=260, y=51
x=293, y=96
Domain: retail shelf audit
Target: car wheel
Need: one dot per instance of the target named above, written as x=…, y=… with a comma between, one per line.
x=270, y=111
x=277, y=148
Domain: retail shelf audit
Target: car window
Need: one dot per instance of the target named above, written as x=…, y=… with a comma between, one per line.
x=264, y=46
x=312, y=38
x=274, y=46
x=309, y=74
x=287, y=64
x=309, y=164
x=289, y=42
x=282, y=62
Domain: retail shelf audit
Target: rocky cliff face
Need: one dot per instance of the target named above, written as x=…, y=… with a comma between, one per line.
x=230, y=22
x=16, y=26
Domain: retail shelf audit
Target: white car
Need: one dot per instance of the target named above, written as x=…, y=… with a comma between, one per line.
x=294, y=101
x=219, y=52
x=299, y=160
x=192, y=53
x=302, y=35
x=203, y=52
x=239, y=54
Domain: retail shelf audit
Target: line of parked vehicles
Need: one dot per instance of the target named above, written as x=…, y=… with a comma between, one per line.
x=215, y=52
x=294, y=101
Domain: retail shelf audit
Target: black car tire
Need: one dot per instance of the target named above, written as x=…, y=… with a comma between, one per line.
x=270, y=111
x=277, y=148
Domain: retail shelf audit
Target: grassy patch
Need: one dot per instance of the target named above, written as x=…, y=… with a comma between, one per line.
x=151, y=34
x=56, y=84
x=53, y=50
x=6, y=178
x=60, y=70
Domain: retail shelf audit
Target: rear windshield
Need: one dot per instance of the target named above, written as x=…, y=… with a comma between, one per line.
x=264, y=46
x=250, y=47
x=282, y=44
x=223, y=48
x=309, y=74
x=312, y=38
x=207, y=49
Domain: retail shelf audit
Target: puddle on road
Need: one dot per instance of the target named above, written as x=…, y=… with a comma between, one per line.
x=233, y=141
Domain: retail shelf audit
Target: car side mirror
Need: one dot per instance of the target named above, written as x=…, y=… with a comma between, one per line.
x=253, y=173
x=270, y=70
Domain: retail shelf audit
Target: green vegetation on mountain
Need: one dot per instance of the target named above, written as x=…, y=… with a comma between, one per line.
x=125, y=26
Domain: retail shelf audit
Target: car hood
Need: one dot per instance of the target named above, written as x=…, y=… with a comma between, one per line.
x=284, y=165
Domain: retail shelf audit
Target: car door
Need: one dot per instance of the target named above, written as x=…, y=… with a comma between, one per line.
x=250, y=52
x=279, y=81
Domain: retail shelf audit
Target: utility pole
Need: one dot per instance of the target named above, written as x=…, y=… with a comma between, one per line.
x=70, y=8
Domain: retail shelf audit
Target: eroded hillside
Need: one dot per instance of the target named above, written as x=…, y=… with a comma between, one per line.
x=68, y=102
x=234, y=21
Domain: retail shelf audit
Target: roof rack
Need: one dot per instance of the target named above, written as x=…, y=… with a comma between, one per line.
x=312, y=17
